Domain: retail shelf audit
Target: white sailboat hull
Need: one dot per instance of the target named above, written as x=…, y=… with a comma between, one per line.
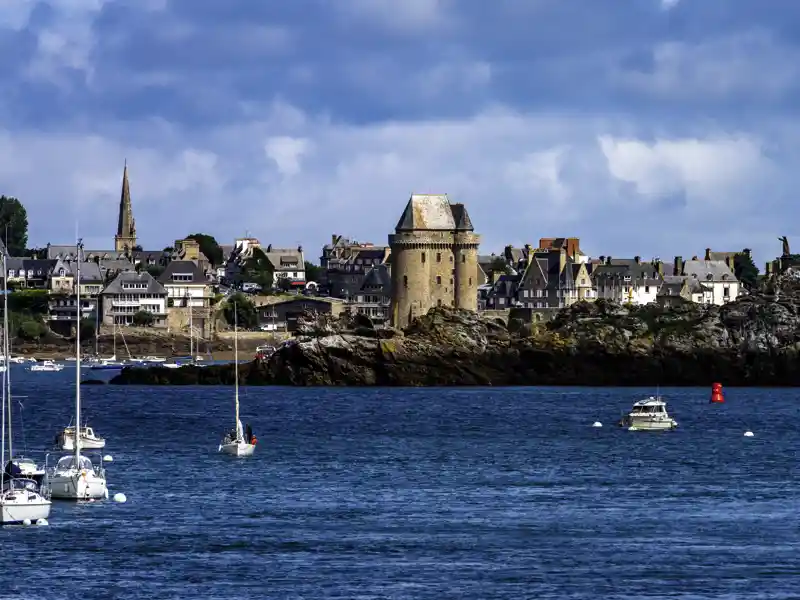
x=68, y=442
x=237, y=449
x=24, y=506
x=78, y=486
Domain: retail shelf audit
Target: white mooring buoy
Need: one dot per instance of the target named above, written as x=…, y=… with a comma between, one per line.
x=120, y=497
x=26, y=522
x=108, y=458
x=597, y=424
x=42, y=522
x=748, y=434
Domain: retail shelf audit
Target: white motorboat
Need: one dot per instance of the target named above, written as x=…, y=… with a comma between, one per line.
x=75, y=477
x=47, y=365
x=240, y=441
x=649, y=414
x=29, y=468
x=22, y=499
x=89, y=439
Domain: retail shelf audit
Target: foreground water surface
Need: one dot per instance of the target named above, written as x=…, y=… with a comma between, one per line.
x=417, y=493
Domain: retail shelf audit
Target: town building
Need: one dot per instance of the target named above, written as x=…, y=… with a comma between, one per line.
x=130, y=293
x=627, y=280
x=345, y=263
x=189, y=296
x=434, y=258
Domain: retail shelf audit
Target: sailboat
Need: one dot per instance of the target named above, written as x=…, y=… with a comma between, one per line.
x=239, y=441
x=75, y=477
x=22, y=499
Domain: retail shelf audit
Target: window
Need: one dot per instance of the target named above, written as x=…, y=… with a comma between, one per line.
x=451, y=258
x=61, y=272
x=423, y=258
x=647, y=289
x=451, y=281
x=463, y=258
x=726, y=291
x=470, y=280
x=438, y=257
x=405, y=281
x=438, y=280
x=439, y=302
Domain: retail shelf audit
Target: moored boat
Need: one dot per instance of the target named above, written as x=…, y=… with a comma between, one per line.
x=649, y=414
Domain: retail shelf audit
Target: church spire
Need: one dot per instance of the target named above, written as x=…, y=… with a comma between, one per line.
x=125, y=240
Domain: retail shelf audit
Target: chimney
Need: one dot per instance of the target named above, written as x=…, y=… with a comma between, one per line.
x=602, y=259
x=678, y=268
x=746, y=252
x=528, y=253
x=708, y=253
x=637, y=259
x=660, y=268
x=608, y=260
x=731, y=262
x=768, y=269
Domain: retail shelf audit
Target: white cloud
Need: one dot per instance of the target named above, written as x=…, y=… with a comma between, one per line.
x=709, y=171
x=521, y=176
x=287, y=152
x=669, y=4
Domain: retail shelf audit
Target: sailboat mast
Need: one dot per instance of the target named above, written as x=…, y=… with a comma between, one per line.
x=236, y=363
x=5, y=374
x=78, y=359
x=191, y=329
x=6, y=362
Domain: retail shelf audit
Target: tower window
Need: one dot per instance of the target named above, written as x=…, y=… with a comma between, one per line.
x=405, y=280
x=451, y=258
x=470, y=280
x=438, y=257
x=463, y=258
x=439, y=302
x=451, y=281
x=423, y=258
x=439, y=279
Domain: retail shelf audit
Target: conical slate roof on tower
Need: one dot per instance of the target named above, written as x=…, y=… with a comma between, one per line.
x=125, y=225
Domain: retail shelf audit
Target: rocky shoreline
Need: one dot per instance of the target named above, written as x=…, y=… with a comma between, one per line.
x=754, y=341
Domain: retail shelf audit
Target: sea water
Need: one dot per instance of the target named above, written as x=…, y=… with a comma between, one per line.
x=416, y=493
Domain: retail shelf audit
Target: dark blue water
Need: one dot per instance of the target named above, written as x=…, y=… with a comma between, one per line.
x=473, y=494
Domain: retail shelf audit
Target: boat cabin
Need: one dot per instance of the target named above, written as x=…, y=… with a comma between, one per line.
x=20, y=484
x=66, y=463
x=649, y=407
x=85, y=431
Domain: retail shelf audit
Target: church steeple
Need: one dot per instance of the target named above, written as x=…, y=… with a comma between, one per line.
x=125, y=240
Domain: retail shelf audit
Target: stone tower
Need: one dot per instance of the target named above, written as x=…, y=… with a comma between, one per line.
x=125, y=240
x=434, y=258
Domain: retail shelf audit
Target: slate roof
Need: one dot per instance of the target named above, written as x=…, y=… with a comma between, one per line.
x=153, y=286
x=41, y=267
x=642, y=271
x=378, y=277
x=184, y=267
x=90, y=271
x=708, y=270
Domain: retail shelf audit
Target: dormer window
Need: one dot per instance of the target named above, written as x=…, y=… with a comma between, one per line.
x=61, y=272
x=709, y=276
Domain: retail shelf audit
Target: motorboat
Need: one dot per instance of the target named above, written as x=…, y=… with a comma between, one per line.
x=89, y=440
x=107, y=364
x=240, y=441
x=29, y=469
x=649, y=414
x=148, y=360
x=74, y=477
x=47, y=366
x=22, y=499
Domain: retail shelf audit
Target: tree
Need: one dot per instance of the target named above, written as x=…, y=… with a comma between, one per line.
x=313, y=272
x=258, y=269
x=498, y=265
x=745, y=269
x=143, y=318
x=208, y=246
x=87, y=328
x=284, y=284
x=13, y=225
x=240, y=309
x=30, y=329
x=155, y=270
x=138, y=248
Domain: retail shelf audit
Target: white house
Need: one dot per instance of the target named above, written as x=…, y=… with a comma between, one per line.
x=287, y=263
x=717, y=282
x=130, y=293
x=186, y=284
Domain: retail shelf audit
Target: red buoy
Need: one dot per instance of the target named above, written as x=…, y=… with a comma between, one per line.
x=717, y=397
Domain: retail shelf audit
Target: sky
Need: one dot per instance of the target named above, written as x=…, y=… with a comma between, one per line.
x=644, y=127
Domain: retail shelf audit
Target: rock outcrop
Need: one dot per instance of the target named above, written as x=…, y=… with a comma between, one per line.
x=752, y=341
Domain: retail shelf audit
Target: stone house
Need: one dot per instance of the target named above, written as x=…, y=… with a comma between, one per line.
x=374, y=298
x=715, y=278
x=129, y=293
x=345, y=263
x=626, y=280
x=32, y=273
x=282, y=315
x=553, y=279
